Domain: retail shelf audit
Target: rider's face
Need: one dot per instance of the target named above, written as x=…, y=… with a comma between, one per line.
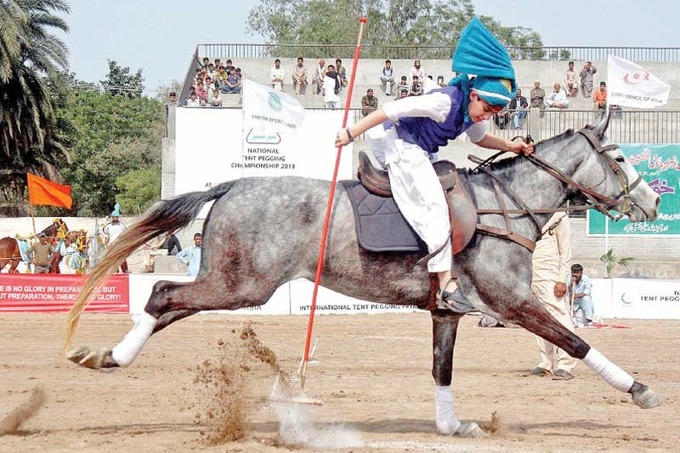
x=480, y=110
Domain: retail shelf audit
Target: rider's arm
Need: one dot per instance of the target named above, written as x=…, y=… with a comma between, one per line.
x=435, y=106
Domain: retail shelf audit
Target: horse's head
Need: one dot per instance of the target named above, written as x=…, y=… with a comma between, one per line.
x=612, y=180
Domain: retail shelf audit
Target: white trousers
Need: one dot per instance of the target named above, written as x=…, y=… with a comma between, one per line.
x=416, y=191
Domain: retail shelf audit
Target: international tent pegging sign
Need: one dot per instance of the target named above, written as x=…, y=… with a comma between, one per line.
x=659, y=166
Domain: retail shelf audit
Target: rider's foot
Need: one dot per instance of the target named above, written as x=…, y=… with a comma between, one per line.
x=453, y=300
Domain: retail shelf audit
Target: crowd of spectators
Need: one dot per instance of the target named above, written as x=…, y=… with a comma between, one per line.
x=212, y=80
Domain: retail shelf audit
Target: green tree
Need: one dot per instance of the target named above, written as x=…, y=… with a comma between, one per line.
x=30, y=60
x=396, y=28
x=119, y=81
x=114, y=135
x=139, y=189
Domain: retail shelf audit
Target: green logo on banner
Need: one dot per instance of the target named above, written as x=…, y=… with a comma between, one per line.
x=275, y=102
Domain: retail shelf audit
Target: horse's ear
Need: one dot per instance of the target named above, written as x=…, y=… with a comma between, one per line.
x=601, y=128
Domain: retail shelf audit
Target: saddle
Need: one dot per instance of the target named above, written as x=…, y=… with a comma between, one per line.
x=462, y=210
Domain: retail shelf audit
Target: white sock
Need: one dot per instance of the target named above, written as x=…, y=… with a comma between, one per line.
x=125, y=352
x=611, y=373
x=445, y=418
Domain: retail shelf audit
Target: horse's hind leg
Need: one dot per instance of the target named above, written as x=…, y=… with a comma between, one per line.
x=169, y=302
x=537, y=320
x=444, y=329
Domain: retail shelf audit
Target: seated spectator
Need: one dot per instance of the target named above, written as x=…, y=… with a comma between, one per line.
x=417, y=71
x=193, y=100
x=211, y=70
x=518, y=107
x=403, y=85
x=570, y=82
x=580, y=289
x=218, y=63
x=210, y=87
x=558, y=98
x=216, y=99
x=369, y=103
x=387, y=78
x=403, y=94
x=342, y=72
x=206, y=62
x=229, y=64
x=319, y=73
x=299, y=76
x=600, y=97
x=221, y=75
x=276, y=75
x=440, y=81
x=537, y=97
x=233, y=82
x=201, y=92
x=416, y=88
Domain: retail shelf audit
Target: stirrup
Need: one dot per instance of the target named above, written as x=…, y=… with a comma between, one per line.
x=453, y=301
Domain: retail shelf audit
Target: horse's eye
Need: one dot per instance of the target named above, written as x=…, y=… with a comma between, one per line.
x=620, y=159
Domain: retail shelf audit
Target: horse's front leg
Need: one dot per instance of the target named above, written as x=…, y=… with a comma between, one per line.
x=444, y=329
x=537, y=320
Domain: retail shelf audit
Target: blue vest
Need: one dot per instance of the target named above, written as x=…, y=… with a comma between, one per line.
x=430, y=135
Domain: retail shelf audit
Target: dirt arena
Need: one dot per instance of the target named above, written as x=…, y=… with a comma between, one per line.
x=371, y=372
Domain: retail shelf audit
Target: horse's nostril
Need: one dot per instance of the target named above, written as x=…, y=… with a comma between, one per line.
x=658, y=201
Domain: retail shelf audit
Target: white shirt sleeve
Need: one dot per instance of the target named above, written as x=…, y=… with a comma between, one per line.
x=435, y=106
x=477, y=131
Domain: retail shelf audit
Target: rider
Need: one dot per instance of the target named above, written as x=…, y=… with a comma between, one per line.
x=403, y=133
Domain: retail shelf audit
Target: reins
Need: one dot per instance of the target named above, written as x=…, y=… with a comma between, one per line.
x=598, y=201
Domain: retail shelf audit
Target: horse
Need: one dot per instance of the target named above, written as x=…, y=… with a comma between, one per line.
x=263, y=232
x=10, y=250
x=9, y=254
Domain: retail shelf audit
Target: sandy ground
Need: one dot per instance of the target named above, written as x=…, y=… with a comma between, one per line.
x=371, y=372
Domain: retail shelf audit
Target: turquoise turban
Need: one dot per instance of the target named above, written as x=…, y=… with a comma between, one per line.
x=480, y=54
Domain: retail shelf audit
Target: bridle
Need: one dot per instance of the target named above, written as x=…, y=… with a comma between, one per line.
x=598, y=201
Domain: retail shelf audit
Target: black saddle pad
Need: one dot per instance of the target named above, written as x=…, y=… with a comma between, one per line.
x=380, y=225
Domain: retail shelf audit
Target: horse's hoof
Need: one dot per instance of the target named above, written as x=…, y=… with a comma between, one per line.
x=470, y=430
x=645, y=398
x=96, y=360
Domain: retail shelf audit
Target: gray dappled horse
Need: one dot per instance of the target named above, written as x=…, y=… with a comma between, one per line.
x=263, y=232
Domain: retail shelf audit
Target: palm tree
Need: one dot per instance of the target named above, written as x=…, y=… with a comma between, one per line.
x=30, y=61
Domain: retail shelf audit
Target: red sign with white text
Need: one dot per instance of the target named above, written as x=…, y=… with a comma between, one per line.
x=57, y=293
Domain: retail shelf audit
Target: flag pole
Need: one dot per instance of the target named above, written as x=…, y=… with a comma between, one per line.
x=329, y=208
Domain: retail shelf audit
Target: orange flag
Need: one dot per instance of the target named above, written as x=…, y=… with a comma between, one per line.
x=45, y=192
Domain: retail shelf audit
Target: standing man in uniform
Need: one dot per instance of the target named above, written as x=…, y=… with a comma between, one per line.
x=550, y=264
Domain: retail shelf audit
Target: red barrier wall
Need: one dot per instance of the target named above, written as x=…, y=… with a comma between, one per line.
x=56, y=293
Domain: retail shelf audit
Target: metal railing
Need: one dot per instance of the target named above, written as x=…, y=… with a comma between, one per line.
x=662, y=126
x=552, y=53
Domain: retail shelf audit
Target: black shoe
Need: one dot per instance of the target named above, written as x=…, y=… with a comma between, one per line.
x=454, y=301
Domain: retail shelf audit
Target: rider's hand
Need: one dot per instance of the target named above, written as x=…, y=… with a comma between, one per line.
x=341, y=138
x=520, y=147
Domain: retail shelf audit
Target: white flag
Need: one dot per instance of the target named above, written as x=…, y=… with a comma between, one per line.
x=630, y=85
x=266, y=109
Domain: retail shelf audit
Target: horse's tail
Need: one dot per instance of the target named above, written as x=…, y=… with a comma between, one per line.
x=164, y=217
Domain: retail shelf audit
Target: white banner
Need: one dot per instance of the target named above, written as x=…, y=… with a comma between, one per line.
x=267, y=111
x=631, y=85
x=210, y=148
